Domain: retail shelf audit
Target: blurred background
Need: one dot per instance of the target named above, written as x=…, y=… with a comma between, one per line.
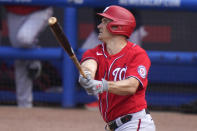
x=166, y=29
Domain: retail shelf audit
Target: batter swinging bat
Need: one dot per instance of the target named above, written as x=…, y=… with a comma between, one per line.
x=63, y=41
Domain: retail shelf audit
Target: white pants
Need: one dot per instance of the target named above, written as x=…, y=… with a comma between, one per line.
x=23, y=33
x=140, y=121
x=143, y=124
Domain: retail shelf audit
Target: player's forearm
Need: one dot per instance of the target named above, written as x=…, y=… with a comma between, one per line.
x=91, y=66
x=123, y=87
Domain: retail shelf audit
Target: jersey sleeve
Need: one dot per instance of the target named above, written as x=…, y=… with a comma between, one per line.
x=89, y=54
x=139, y=67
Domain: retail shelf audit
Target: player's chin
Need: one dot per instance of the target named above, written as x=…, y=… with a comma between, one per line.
x=100, y=39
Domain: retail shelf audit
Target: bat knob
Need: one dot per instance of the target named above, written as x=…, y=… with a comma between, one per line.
x=52, y=20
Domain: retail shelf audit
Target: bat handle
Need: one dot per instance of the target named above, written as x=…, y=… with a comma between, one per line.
x=74, y=58
x=82, y=73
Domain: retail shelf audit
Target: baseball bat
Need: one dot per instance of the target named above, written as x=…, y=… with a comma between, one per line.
x=63, y=41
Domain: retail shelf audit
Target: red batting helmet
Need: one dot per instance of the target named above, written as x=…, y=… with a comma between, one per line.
x=121, y=18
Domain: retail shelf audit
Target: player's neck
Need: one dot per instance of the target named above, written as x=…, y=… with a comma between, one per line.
x=114, y=46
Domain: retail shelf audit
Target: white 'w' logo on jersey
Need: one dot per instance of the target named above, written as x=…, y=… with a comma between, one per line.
x=119, y=73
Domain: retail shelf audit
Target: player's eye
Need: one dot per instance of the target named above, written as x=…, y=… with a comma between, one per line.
x=105, y=20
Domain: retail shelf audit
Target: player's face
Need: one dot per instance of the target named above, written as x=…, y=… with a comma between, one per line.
x=104, y=34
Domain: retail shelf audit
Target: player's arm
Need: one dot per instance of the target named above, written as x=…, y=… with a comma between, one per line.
x=89, y=65
x=123, y=87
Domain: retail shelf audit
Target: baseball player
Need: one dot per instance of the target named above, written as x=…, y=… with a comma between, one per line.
x=25, y=23
x=116, y=71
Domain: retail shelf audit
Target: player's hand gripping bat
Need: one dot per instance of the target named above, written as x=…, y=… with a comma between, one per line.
x=63, y=41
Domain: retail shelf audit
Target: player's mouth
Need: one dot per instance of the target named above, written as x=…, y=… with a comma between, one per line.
x=100, y=32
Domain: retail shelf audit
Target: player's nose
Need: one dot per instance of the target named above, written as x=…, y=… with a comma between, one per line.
x=99, y=26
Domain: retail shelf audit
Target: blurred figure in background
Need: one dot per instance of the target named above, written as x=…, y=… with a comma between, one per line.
x=92, y=41
x=0, y=25
x=25, y=23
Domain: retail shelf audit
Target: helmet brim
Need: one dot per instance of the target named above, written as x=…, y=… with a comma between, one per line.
x=105, y=15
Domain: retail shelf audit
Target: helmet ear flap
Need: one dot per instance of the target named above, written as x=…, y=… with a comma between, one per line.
x=121, y=28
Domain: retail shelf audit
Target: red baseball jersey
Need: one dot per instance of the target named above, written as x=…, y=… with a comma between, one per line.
x=131, y=61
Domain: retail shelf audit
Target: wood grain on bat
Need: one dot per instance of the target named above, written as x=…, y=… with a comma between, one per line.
x=60, y=36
